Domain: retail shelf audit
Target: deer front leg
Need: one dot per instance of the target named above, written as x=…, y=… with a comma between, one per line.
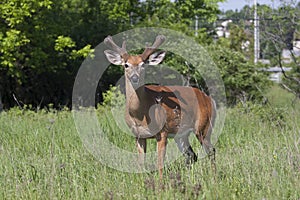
x=161, y=151
x=141, y=145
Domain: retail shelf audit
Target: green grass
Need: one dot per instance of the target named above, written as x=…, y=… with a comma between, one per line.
x=258, y=157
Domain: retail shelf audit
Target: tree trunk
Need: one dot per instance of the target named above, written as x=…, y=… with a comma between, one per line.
x=1, y=105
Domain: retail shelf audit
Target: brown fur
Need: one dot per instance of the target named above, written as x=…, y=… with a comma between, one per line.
x=158, y=112
x=180, y=109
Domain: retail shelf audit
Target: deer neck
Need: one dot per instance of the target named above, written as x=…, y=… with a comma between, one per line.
x=133, y=97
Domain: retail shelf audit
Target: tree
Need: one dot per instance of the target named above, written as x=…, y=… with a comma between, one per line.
x=280, y=30
x=43, y=42
x=179, y=15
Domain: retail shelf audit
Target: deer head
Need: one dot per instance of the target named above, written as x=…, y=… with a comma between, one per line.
x=134, y=64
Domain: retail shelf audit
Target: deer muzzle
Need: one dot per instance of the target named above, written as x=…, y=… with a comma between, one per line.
x=135, y=79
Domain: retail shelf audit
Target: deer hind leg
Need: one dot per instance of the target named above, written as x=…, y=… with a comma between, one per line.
x=161, y=139
x=141, y=145
x=205, y=140
x=184, y=146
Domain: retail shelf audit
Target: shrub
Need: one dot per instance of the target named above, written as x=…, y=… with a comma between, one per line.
x=243, y=80
x=113, y=97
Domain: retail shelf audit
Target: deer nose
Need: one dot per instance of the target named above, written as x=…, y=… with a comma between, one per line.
x=135, y=78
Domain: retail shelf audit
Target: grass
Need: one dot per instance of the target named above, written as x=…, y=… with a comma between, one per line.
x=258, y=157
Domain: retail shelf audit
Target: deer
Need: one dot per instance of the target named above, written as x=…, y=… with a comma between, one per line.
x=161, y=112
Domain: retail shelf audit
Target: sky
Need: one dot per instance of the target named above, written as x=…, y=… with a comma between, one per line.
x=239, y=4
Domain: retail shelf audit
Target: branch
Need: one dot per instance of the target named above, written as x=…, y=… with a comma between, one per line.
x=293, y=56
x=15, y=98
x=288, y=89
x=283, y=72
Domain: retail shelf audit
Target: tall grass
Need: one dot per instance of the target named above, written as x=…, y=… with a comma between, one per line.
x=258, y=157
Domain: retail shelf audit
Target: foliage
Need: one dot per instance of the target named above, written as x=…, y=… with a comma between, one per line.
x=273, y=115
x=113, y=97
x=279, y=28
x=291, y=79
x=242, y=79
x=65, y=45
x=277, y=25
x=42, y=43
x=287, y=22
x=37, y=62
x=239, y=40
x=179, y=15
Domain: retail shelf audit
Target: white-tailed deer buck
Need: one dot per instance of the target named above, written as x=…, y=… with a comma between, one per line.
x=154, y=111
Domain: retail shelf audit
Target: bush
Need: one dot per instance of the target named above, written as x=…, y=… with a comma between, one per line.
x=276, y=116
x=243, y=80
x=113, y=97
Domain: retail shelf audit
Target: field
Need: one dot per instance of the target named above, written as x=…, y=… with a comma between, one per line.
x=258, y=157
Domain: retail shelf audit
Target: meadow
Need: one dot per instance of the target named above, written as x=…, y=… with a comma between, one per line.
x=258, y=157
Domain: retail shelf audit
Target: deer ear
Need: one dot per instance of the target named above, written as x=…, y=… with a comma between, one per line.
x=156, y=58
x=113, y=57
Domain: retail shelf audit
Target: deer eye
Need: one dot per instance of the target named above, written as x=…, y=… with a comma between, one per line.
x=126, y=65
x=141, y=64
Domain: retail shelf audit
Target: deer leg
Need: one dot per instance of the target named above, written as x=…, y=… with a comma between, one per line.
x=184, y=146
x=204, y=139
x=141, y=145
x=190, y=155
x=209, y=148
x=211, y=152
x=161, y=139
